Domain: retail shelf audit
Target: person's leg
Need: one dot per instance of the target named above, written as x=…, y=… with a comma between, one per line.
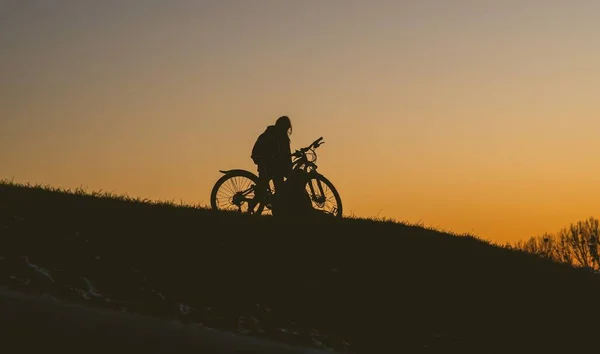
x=260, y=190
x=278, y=182
x=279, y=200
x=262, y=179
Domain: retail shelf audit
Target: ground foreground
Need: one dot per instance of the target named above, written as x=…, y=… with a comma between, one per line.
x=352, y=285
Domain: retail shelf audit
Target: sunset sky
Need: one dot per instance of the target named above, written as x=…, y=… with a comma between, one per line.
x=471, y=116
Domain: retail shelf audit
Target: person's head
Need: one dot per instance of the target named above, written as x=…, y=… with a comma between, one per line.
x=284, y=123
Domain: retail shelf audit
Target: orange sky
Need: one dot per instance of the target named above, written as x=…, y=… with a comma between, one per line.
x=472, y=116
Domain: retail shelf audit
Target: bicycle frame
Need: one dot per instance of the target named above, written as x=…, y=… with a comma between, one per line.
x=302, y=163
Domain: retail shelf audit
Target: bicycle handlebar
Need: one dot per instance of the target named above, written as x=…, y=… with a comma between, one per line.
x=315, y=144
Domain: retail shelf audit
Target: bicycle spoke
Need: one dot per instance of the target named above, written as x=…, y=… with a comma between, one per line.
x=229, y=187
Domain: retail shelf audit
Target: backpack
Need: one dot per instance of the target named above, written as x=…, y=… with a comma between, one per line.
x=265, y=146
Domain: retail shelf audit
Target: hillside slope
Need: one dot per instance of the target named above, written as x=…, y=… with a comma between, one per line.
x=356, y=285
x=72, y=328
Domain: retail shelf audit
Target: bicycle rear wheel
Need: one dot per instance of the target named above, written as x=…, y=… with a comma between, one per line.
x=235, y=191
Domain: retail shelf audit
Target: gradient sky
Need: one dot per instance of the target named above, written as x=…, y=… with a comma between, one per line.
x=472, y=116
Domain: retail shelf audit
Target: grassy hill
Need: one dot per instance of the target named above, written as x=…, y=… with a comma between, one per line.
x=355, y=285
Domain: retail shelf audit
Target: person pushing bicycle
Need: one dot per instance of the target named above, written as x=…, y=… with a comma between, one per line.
x=272, y=155
x=299, y=189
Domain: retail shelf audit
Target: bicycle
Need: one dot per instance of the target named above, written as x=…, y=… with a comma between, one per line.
x=243, y=183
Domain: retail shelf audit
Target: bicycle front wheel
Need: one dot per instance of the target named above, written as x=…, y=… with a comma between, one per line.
x=324, y=196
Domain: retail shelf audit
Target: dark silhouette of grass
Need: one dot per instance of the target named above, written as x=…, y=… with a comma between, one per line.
x=356, y=285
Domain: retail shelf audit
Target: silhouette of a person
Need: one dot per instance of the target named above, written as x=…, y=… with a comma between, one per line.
x=272, y=155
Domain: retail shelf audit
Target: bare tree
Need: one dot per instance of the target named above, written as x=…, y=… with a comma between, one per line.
x=576, y=245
